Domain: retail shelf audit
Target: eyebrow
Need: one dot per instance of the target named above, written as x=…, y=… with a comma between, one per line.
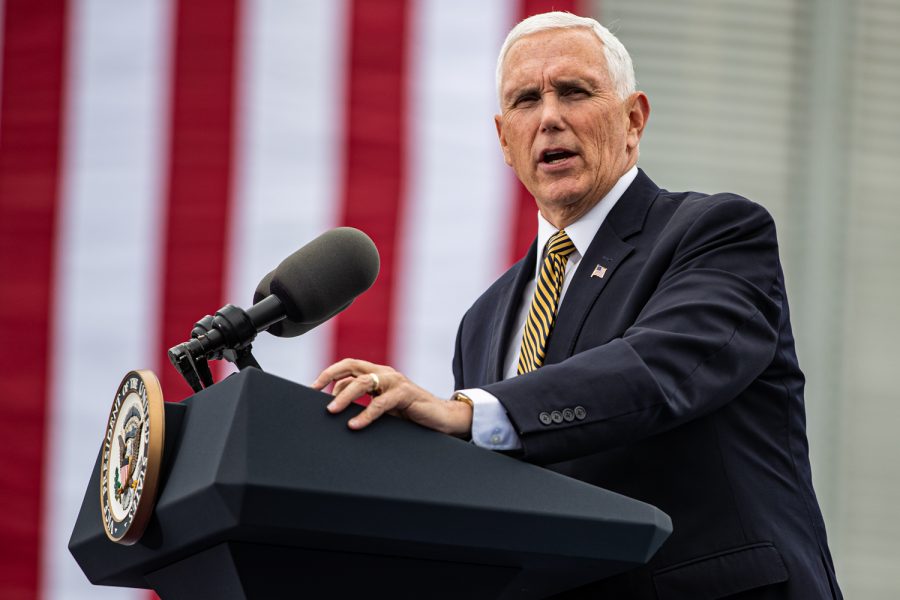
x=569, y=82
x=517, y=93
x=558, y=84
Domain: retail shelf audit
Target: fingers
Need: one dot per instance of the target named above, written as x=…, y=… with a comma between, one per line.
x=349, y=367
x=376, y=408
x=341, y=384
x=394, y=402
x=352, y=388
x=349, y=389
x=398, y=396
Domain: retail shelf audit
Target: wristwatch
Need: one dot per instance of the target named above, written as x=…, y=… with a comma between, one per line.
x=460, y=397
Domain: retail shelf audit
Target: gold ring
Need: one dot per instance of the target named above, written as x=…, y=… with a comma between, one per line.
x=375, y=390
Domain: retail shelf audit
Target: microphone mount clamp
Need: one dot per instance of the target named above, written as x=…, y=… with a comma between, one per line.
x=226, y=335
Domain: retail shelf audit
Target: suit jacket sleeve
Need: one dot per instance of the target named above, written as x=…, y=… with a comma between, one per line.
x=704, y=334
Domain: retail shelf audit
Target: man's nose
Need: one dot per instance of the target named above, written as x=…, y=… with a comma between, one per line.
x=551, y=113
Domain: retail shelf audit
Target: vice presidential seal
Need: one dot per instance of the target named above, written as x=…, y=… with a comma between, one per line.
x=131, y=457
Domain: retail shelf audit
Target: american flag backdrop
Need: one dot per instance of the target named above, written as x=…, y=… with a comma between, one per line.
x=158, y=157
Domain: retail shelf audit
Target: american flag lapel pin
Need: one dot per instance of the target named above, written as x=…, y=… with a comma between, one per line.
x=599, y=271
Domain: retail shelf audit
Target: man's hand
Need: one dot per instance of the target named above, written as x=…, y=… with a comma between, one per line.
x=392, y=393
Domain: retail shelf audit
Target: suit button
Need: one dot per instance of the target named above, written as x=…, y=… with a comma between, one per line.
x=545, y=418
x=556, y=416
x=568, y=415
x=580, y=413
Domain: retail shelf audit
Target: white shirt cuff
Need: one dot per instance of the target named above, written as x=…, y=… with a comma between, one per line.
x=491, y=427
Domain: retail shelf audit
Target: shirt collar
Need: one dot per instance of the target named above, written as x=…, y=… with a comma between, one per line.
x=582, y=231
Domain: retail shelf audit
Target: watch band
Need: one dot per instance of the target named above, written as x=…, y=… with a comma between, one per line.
x=460, y=397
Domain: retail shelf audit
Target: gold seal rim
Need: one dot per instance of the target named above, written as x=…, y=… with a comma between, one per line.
x=156, y=413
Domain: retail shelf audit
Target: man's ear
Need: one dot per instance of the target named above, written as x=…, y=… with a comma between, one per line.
x=638, y=112
x=498, y=123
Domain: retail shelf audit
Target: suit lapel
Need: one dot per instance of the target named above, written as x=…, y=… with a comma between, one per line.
x=604, y=256
x=598, y=266
x=506, y=311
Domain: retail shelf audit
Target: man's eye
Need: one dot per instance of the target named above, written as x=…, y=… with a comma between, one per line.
x=525, y=100
x=574, y=92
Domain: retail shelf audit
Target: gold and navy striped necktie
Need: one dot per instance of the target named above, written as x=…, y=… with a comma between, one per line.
x=542, y=315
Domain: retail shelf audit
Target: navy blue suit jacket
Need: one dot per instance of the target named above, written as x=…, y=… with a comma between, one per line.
x=677, y=380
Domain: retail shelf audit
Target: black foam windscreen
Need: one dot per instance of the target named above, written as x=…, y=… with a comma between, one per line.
x=287, y=328
x=321, y=279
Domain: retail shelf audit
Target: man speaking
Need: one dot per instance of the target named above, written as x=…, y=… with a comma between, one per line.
x=643, y=344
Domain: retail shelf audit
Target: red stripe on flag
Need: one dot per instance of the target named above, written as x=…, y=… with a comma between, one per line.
x=374, y=169
x=200, y=172
x=524, y=220
x=34, y=40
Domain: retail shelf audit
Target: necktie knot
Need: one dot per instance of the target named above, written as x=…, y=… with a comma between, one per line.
x=560, y=244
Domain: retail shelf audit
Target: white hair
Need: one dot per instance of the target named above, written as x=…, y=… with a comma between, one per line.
x=618, y=62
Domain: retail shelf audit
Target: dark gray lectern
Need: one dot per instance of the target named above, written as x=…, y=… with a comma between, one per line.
x=266, y=495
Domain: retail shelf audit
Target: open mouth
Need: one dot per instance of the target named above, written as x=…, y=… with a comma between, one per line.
x=552, y=157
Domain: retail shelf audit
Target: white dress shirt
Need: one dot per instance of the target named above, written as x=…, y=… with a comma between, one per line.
x=491, y=427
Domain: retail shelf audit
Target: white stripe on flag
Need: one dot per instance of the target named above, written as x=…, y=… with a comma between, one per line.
x=289, y=152
x=455, y=235
x=105, y=313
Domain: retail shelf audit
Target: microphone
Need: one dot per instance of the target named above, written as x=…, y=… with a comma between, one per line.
x=286, y=327
x=306, y=289
x=323, y=278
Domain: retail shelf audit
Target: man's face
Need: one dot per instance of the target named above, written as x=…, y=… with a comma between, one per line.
x=563, y=128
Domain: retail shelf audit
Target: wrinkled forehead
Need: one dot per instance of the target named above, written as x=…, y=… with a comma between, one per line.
x=573, y=51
